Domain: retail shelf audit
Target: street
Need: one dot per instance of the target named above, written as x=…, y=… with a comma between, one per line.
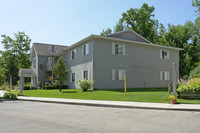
x=36, y=117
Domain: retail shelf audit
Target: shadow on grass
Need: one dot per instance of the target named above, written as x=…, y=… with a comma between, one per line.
x=140, y=90
x=68, y=91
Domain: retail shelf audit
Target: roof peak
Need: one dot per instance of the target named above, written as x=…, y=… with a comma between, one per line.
x=129, y=30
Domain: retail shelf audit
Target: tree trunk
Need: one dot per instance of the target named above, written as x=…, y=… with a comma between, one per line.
x=60, y=88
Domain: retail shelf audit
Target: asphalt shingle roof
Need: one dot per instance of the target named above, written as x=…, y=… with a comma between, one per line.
x=45, y=49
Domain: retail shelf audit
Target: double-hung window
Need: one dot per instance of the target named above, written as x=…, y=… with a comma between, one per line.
x=73, y=54
x=86, y=49
x=164, y=75
x=118, y=49
x=164, y=54
x=73, y=77
x=118, y=74
x=85, y=74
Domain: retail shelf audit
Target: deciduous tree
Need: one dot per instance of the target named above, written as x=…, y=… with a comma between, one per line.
x=60, y=72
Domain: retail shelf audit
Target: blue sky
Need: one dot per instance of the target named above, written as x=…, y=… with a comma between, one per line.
x=68, y=21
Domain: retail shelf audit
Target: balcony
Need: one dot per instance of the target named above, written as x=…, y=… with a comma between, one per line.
x=49, y=66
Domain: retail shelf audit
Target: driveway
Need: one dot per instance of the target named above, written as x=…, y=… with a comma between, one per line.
x=37, y=117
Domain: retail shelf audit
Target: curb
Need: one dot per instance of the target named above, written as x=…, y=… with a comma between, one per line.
x=170, y=107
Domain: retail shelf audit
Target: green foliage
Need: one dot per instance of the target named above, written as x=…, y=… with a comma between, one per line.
x=182, y=36
x=140, y=20
x=106, y=32
x=85, y=84
x=192, y=86
x=15, y=56
x=10, y=95
x=196, y=3
x=60, y=72
x=195, y=73
x=1, y=75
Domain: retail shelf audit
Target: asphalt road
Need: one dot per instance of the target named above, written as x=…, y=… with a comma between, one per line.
x=36, y=117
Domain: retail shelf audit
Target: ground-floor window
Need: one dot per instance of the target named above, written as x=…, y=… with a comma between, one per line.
x=164, y=75
x=73, y=75
x=85, y=74
x=118, y=74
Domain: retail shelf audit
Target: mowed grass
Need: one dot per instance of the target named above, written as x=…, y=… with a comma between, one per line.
x=156, y=95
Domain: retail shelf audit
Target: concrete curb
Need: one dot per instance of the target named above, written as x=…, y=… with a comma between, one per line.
x=116, y=104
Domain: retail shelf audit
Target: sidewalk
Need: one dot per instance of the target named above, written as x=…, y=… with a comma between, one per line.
x=119, y=104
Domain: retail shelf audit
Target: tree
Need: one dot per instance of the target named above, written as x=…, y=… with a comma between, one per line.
x=60, y=72
x=10, y=67
x=141, y=21
x=120, y=26
x=1, y=76
x=16, y=55
x=195, y=73
x=196, y=3
x=106, y=32
x=19, y=46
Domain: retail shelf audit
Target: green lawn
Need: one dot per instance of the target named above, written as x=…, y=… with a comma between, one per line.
x=157, y=95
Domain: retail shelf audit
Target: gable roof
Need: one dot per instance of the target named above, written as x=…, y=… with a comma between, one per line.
x=85, y=40
x=43, y=49
x=129, y=35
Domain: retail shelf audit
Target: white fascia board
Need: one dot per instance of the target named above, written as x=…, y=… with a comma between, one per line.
x=135, y=42
x=116, y=39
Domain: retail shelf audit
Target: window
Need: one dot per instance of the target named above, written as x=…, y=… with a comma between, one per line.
x=41, y=66
x=85, y=49
x=50, y=59
x=164, y=54
x=73, y=54
x=73, y=77
x=118, y=74
x=118, y=49
x=164, y=75
x=85, y=74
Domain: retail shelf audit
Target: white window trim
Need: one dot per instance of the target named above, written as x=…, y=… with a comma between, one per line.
x=167, y=54
x=167, y=75
x=71, y=76
x=114, y=74
x=83, y=49
x=123, y=48
x=83, y=73
x=74, y=55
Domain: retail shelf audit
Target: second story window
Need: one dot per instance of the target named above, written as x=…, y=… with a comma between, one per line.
x=118, y=49
x=73, y=54
x=164, y=54
x=85, y=49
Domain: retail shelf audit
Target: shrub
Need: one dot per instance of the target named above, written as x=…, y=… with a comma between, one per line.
x=6, y=95
x=85, y=84
x=192, y=86
x=27, y=87
x=10, y=95
x=195, y=73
